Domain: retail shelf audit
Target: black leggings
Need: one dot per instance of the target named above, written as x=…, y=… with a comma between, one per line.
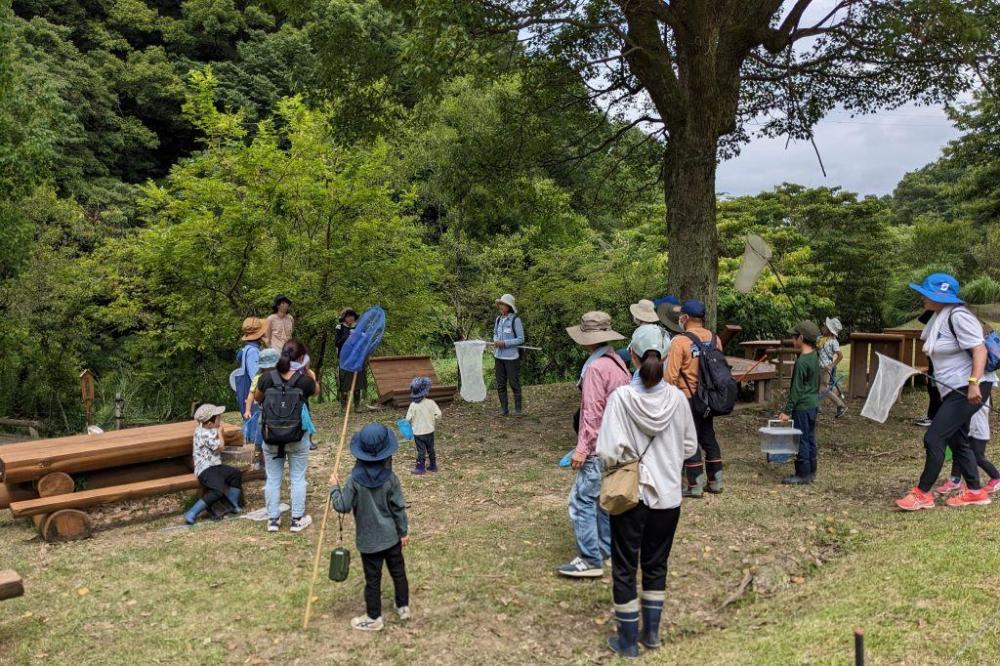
x=707, y=442
x=933, y=394
x=950, y=428
x=641, y=538
x=979, y=450
x=372, y=563
x=216, y=480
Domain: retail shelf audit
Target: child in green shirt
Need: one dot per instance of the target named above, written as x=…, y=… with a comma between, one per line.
x=803, y=399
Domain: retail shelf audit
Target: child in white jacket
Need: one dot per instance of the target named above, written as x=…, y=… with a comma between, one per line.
x=648, y=420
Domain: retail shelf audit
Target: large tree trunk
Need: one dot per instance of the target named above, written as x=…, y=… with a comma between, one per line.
x=689, y=189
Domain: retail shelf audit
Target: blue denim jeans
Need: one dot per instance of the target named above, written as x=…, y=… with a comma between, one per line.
x=297, y=455
x=805, y=462
x=591, y=525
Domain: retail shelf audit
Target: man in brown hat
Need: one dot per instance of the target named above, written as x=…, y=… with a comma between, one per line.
x=603, y=372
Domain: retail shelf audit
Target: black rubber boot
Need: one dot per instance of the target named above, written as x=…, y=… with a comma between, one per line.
x=504, y=404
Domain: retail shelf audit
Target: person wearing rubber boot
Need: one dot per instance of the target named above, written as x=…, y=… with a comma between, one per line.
x=682, y=372
x=650, y=421
x=603, y=372
x=221, y=483
x=803, y=401
x=508, y=335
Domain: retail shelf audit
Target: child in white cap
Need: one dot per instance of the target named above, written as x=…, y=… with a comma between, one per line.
x=829, y=357
x=220, y=482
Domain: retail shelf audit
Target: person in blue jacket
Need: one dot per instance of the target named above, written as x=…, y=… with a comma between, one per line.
x=508, y=335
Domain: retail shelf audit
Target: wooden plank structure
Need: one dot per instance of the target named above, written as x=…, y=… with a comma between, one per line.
x=864, y=362
x=393, y=375
x=758, y=349
x=913, y=350
x=762, y=376
x=38, y=479
x=11, y=585
x=33, y=428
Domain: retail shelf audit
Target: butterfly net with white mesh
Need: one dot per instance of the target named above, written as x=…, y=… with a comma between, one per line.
x=470, y=366
x=885, y=389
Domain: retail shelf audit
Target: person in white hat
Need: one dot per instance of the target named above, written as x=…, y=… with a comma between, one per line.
x=508, y=335
x=829, y=357
x=221, y=483
x=603, y=372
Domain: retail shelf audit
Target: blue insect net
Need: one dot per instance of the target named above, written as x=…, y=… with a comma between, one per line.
x=363, y=340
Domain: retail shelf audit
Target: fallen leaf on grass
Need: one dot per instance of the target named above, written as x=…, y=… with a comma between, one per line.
x=798, y=580
x=83, y=591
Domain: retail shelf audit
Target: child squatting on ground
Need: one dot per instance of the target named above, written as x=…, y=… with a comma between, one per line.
x=803, y=399
x=374, y=494
x=423, y=414
x=222, y=483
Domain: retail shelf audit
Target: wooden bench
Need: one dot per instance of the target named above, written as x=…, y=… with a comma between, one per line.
x=393, y=375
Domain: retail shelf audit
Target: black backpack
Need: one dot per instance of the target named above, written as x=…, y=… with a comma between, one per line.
x=717, y=389
x=281, y=413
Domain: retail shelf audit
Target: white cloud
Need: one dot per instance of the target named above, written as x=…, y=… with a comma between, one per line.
x=866, y=154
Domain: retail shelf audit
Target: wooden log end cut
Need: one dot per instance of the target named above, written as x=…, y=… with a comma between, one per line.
x=67, y=525
x=55, y=483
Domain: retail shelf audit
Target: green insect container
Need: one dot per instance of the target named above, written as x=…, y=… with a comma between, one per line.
x=340, y=564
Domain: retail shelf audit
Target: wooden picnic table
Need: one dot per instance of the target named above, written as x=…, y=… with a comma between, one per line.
x=762, y=376
x=756, y=349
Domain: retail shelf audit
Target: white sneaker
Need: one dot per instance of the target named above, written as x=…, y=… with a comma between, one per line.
x=404, y=612
x=274, y=524
x=299, y=524
x=365, y=623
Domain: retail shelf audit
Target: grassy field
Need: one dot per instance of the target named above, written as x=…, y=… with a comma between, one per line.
x=487, y=534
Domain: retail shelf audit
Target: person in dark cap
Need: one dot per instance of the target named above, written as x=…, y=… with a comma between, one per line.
x=803, y=399
x=682, y=371
x=348, y=321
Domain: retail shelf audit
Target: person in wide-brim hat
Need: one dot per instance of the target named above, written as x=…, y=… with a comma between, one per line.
x=644, y=312
x=254, y=328
x=508, y=300
x=373, y=443
x=665, y=312
x=594, y=329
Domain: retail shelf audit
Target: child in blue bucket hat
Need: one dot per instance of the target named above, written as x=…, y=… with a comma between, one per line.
x=374, y=494
x=423, y=414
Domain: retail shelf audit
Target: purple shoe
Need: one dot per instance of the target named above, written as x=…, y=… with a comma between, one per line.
x=433, y=467
x=418, y=470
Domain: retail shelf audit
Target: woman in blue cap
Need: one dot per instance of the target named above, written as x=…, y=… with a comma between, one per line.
x=954, y=341
x=374, y=494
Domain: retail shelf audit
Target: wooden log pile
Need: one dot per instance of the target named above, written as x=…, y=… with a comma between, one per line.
x=11, y=585
x=53, y=481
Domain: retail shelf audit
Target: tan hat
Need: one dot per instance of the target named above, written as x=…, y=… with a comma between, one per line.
x=254, y=328
x=644, y=311
x=507, y=300
x=594, y=329
x=207, y=412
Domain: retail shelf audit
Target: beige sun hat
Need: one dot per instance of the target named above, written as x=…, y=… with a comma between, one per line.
x=644, y=311
x=507, y=299
x=594, y=329
x=254, y=328
x=207, y=413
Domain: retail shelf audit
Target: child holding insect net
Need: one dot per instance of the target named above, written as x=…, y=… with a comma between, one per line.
x=829, y=357
x=374, y=494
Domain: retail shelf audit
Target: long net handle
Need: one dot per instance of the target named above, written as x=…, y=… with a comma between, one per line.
x=753, y=367
x=326, y=508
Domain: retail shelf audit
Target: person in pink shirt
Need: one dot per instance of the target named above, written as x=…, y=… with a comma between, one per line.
x=603, y=372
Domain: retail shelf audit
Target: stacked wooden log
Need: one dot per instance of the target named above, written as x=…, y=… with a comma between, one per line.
x=11, y=585
x=53, y=481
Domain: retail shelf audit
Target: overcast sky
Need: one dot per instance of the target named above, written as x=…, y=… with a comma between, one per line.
x=867, y=154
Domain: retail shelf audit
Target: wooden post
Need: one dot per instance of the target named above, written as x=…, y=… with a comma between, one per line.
x=119, y=411
x=11, y=584
x=67, y=525
x=87, y=393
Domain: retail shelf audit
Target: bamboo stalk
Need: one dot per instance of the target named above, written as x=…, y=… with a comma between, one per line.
x=326, y=508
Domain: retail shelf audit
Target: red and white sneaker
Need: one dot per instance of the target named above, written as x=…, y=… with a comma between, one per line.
x=949, y=486
x=992, y=486
x=969, y=498
x=916, y=500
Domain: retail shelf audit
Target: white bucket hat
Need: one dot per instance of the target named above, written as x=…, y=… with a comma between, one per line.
x=508, y=300
x=834, y=325
x=594, y=329
x=644, y=311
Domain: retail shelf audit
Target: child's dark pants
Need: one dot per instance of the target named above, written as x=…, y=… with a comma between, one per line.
x=805, y=461
x=372, y=563
x=425, y=448
x=216, y=480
